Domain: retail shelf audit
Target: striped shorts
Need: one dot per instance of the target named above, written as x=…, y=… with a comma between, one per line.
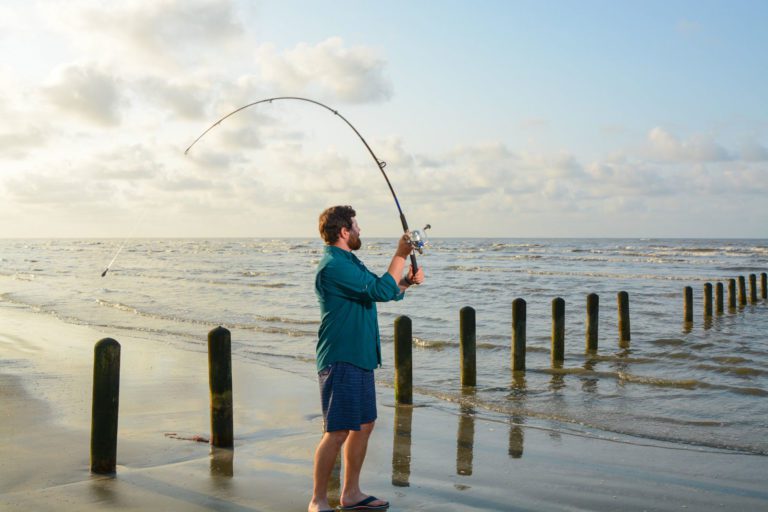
x=348, y=396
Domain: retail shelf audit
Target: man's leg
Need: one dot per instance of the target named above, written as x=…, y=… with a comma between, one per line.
x=325, y=458
x=354, y=455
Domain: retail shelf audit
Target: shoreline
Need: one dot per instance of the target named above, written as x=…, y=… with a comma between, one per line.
x=422, y=458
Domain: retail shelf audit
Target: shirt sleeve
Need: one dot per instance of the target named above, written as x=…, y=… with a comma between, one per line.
x=358, y=283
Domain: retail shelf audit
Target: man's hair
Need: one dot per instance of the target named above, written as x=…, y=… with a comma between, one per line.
x=332, y=220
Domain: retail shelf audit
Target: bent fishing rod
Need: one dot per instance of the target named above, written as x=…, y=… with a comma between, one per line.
x=418, y=238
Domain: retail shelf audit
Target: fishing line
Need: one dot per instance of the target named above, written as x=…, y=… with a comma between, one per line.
x=119, y=249
x=417, y=238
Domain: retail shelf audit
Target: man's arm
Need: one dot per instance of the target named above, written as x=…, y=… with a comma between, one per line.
x=411, y=279
x=404, y=249
x=397, y=264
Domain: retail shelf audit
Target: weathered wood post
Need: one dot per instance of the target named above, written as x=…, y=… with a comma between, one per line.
x=106, y=398
x=719, y=298
x=558, y=330
x=764, y=285
x=707, y=300
x=518, y=334
x=688, y=305
x=731, y=294
x=742, y=291
x=403, y=360
x=467, y=346
x=752, y=288
x=220, y=383
x=593, y=313
x=622, y=298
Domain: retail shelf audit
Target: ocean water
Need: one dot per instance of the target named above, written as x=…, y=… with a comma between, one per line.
x=703, y=385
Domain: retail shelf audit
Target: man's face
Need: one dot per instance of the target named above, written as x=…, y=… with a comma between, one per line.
x=354, y=236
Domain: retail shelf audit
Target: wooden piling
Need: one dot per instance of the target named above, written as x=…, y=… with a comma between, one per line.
x=742, y=291
x=467, y=346
x=403, y=360
x=220, y=383
x=719, y=298
x=731, y=294
x=688, y=305
x=106, y=398
x=593, y=313
x=707, y=300
x=764, y=285
x=518, y=334
x=622, y=298
x=558, y=330
x=752, y=288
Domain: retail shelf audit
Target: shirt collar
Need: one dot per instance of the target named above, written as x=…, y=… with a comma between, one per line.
x=337, y=251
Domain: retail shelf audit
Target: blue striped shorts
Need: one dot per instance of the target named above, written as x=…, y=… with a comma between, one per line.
x=348, y=395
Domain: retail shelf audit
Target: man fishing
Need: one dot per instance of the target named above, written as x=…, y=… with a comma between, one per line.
x=348, y=350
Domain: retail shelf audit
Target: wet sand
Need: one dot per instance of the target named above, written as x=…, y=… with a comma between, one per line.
x=435, y=456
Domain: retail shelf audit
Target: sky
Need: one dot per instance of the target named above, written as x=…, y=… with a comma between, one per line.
x=495, y=118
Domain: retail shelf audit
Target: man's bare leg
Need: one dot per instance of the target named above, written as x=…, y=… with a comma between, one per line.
x=354, y=455
x=325, y=458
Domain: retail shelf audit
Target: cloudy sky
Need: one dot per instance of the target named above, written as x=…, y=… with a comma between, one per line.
x=508, y=118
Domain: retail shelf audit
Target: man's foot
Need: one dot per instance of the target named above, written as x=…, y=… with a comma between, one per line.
x=366, y=503
x=319, y=507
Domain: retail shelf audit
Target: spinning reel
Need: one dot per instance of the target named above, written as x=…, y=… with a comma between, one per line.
x=419, y=239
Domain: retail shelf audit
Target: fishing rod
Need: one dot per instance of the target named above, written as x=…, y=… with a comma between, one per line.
x=418, y=238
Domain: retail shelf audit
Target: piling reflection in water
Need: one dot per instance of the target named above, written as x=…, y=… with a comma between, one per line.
x=401, y=447
x=589, y=384
x=519, y=389
x=222, y=462
x=557, y=382
x=465, y=437
x=516, y=437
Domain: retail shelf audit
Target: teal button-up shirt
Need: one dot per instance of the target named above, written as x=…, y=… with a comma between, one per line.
x=348, y=293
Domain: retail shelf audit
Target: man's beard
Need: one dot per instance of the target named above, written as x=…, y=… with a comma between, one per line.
x=354, y=242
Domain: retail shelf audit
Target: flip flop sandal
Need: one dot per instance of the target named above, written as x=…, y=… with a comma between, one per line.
x=365, y=505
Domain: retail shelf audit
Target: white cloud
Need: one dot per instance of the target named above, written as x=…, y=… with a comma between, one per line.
x=86, y=91
x=18, y=143
x=751, y=151
x=664, y=146
x=185, y=100
x=164, y=33
x=326, y=70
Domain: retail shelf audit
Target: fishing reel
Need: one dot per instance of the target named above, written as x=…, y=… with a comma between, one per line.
x=419, y=239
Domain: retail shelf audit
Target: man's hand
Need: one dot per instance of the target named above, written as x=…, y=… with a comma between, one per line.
x=404, y=247
x=417, y=278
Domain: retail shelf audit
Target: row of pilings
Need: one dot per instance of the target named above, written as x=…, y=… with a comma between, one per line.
x=403, y=340
x=106, y=398
x=106, y=376
x=719, y=296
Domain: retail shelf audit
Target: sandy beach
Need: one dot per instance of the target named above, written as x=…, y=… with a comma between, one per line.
x=434, y=456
